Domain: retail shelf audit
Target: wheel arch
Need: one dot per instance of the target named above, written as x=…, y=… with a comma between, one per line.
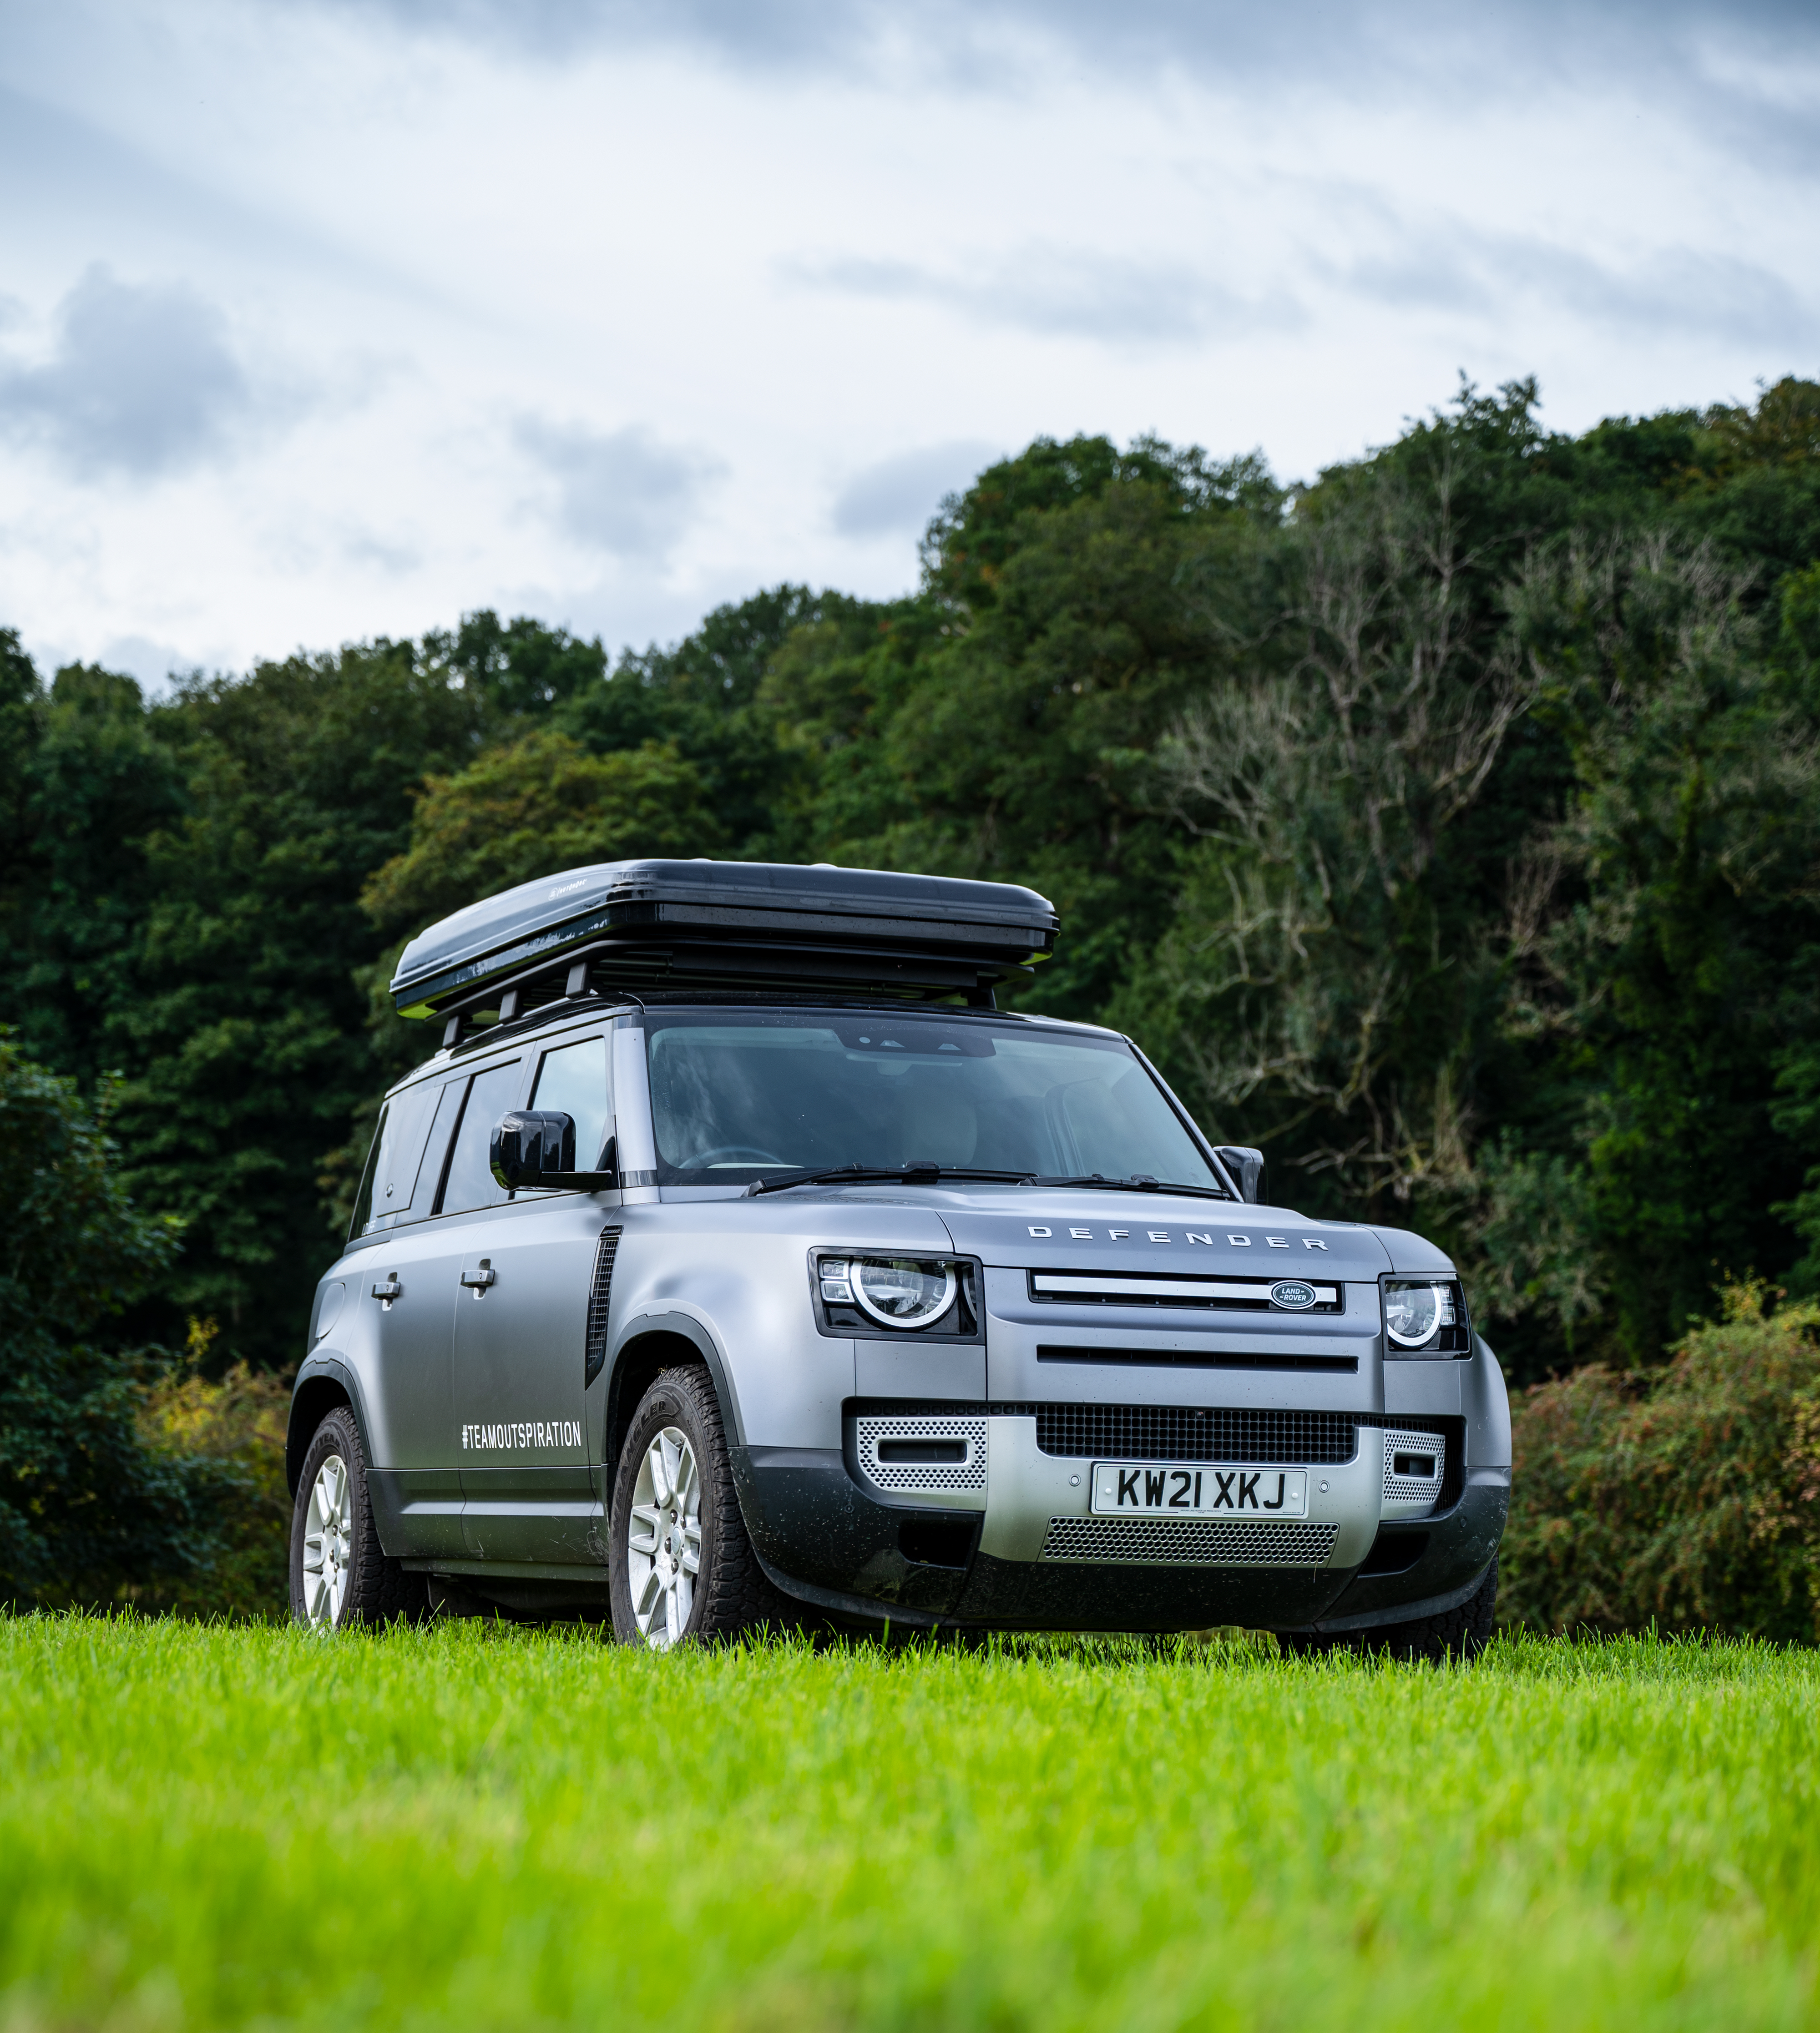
x=323, y=1383
x=652, y=1343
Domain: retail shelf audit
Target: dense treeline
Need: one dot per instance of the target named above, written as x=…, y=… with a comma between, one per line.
x=1447, y=827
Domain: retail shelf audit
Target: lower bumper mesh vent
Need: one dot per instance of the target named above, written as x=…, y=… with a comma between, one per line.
x=1185, y=1543
x=1413, y=1465
x=928, y=1453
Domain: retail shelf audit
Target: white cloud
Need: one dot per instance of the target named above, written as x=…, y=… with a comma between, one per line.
x=783, y=257
x=141, y=380
x=899, y=495
x=1056, y=291
x=621, y=491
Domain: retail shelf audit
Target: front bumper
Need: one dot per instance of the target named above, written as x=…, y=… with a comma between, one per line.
x=1018, y=1547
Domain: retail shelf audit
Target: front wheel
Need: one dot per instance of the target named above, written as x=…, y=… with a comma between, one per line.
x=339, y=1572
x=1460, y=1634
x=680, y=1562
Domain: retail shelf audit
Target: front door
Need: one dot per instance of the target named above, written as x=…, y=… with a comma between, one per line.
x=520, y=1347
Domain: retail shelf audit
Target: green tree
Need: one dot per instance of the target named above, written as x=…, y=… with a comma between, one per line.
x=85, y=1505
x=1076, y=601
x=701, y=697
x=534, y=806
x=85, y=782
x=1686, y=857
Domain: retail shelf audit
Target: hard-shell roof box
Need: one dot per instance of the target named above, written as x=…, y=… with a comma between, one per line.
x=725, y=924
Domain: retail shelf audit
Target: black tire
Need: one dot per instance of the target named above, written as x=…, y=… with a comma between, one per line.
x=374, y=1588
x=729, y=1593
x=1460, y=1634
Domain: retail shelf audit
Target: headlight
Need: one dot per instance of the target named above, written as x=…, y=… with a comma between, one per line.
x=895, y=1291
x=1413, y=1313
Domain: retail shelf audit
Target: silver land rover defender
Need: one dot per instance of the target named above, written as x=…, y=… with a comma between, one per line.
x=736, y=1262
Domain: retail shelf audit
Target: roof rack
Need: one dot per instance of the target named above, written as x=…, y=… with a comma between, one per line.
x=627, y=925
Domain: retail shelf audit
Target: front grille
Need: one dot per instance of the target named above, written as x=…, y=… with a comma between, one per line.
x=1188, y=1543
x=1151, y=1288
x=1196, y=1358
x=1192, y=1432
x=969, y=1435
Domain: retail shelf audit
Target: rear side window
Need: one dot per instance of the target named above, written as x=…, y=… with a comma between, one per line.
x=470, y=1182
x=572, y=1081
x=390, y=1182
x=448, y=1110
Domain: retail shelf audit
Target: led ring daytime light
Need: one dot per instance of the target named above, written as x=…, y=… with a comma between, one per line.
x=1414, y=1313
x=899, y=1292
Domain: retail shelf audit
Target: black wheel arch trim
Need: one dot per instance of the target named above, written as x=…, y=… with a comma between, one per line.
x=683, y=1326
x=324, y=1380
x=690, y=1328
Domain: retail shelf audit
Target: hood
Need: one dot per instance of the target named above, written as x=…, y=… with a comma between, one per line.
x=1028, y=1226
x=1414, y=1254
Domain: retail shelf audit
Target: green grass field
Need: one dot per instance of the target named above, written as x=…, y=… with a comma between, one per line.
x=467, y=1827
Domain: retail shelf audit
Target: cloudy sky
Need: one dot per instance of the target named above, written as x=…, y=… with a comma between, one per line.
x=325, y=318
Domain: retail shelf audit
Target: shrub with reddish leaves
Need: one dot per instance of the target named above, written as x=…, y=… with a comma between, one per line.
x=1687, y=1496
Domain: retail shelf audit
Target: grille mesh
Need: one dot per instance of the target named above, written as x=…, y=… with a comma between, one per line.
x=596, y=1335
x=1188, y=1543
x=1412, y=1489
x=1193, y=1432
x=968, y=1474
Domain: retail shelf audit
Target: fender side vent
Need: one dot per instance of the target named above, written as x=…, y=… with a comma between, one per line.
x=597, y=1336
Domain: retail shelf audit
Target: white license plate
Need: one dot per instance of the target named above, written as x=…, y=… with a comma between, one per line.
x=1168, y=1489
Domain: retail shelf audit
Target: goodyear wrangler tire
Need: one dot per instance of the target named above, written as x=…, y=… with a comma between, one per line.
x=339, y=1572
x=679, y=1561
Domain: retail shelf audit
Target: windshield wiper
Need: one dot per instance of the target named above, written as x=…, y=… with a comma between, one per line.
x=903, y=1175
x=1138, y=1182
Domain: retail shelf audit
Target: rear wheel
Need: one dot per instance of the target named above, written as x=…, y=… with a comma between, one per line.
x=680, y=1561
x=339, y=1572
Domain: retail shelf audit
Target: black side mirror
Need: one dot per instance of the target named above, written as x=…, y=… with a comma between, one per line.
x=532, y=1149
x=1246, y=1166
x=535, y=1148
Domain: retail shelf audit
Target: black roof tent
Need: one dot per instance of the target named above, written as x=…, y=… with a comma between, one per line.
x=723, y=925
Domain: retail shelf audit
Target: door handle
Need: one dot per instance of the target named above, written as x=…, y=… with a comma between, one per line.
x=479, y=1280
x=391, y=1289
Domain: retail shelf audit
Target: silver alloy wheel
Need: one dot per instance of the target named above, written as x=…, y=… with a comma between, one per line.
x=663, y=1538
x=327, y=1544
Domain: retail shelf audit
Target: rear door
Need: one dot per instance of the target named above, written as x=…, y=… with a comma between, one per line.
x=408, y=1283
x=521, y=1333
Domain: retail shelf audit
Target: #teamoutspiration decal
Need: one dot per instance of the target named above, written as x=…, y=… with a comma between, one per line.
x=503, y=1436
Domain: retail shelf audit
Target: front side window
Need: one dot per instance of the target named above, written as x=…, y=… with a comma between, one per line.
x=572, y=1081
x=735, y=1098
x=470, y=1182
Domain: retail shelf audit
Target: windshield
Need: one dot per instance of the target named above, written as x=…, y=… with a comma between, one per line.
x=735, y=1099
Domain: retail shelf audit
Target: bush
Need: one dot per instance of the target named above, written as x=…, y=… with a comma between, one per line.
x=1687, y=1496
x=231, y=1433
x=123, y=1476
